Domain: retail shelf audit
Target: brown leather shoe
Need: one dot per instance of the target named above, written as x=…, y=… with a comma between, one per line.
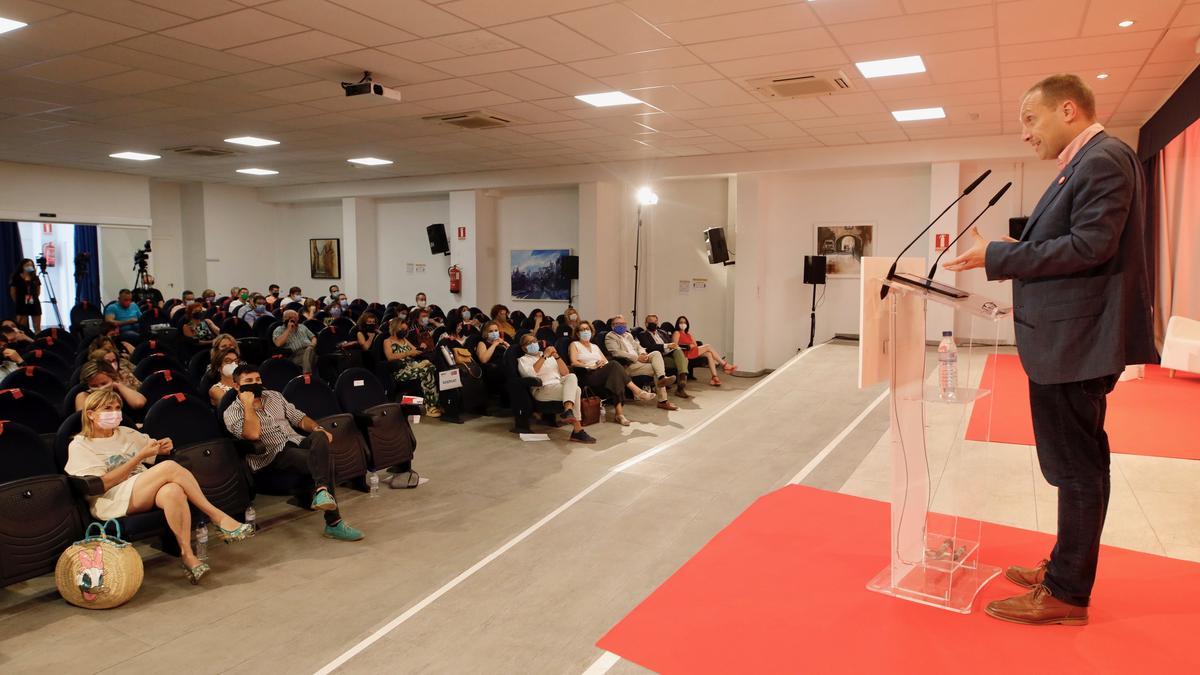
x=1027, y=577
x=1037, y=608
x=667, y=405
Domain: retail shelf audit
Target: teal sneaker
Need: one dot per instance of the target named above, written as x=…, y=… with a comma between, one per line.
x=323, y=501
x=342, y=532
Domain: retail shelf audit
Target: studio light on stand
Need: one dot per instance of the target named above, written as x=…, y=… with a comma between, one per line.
x=645, y=197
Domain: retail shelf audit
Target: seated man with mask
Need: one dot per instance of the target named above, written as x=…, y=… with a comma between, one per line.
x=273, y=429
x=637, y=361
x=654, y=339
x=254, y=310
x=297, y=337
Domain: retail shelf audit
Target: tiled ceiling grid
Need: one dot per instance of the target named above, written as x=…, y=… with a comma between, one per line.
x=87, y=78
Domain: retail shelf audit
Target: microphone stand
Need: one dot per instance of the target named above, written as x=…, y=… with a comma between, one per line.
x=990, y=204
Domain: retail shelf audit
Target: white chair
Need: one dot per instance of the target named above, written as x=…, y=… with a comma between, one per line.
x=1181, y=346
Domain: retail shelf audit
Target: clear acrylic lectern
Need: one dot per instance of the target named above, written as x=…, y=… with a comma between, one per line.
x=939, y=481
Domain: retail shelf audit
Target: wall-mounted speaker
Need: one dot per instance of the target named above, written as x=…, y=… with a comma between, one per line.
x=570, y=266
x=814, y=269
x=1016, y=226
x=714, y=241
x=437, y=239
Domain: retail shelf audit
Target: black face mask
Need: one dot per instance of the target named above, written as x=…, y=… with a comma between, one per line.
x=256, y=388
x=651, y=326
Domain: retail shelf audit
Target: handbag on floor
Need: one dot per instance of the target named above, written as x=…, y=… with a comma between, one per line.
x=590, y=413
x=100, y=571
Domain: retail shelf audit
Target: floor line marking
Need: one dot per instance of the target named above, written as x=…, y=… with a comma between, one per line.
x=470, y=571
x=603, y=664
x=837, y=440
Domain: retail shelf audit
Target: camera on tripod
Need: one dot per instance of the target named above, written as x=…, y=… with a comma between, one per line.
x=141, y=257
x=41, y=263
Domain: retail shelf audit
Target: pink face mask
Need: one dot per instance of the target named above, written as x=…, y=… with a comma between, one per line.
x=108, y=419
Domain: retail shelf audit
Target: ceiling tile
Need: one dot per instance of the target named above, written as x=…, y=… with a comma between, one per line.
x=125, y=12
x=718, y=93
x=420, y=50
x=918, y=6
x=489, y=63
x=440, y=89
x=674, y=11
x=135, y=82
x=854, y=104
x=901, y=27
x=152, y=62
x=803, y=109
x=1178, y=44
x=337, y=20
x=530, y=112
x=293, y=48
x=391, y=70
x=553, y=39
x=267, y=78
x=617, y=28
x=921, y=45
x=190, y=53
x=564, y=79
x=491, y=13
x=475, y=42
x=28, y=11
x=843, y=11
x=793, y=16
x=196, y=9
x=1103, y=15
x=232, y=30
x=884, y=136
x=972, y=64
x=794, y=62
x=632, y=63
x=1037, y=21
x=667, y=98
x=69, y=33
x=71, y=69
x=1083, y=62
x=481, y=99
x=515, y=85
x=298, y=93
x=661, y=77
x=763, y=45
x=413, y=16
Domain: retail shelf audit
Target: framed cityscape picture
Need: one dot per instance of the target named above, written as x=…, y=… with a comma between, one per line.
x=844, y=246
x=538, y=274
x=325, y=258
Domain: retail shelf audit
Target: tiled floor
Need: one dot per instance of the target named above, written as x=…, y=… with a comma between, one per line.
x=289, y=601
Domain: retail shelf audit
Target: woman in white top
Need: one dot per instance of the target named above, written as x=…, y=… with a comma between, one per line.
x=557, y=383
x=119, y=456
x=225, y=363
x=604, y=374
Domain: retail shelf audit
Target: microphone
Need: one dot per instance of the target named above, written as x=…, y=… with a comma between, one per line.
x=892, y=271
x=990, y=204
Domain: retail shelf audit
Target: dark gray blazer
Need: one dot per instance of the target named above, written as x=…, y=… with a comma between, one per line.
x=1082, y=290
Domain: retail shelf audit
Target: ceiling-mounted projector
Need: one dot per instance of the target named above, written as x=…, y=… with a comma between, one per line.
x=368, y=87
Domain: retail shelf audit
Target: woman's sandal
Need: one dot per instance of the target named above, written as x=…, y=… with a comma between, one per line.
x=728, y=367
x=622, y=420
x=715, y=381
x=194, y=573
x=239, y=533
x=644, y=395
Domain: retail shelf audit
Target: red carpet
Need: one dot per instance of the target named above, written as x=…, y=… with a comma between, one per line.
x=1155, y=416
x=783, y=590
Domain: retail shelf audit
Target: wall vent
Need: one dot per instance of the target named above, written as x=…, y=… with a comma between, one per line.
x=201, y=151
x=801, y=85
x=473, y=119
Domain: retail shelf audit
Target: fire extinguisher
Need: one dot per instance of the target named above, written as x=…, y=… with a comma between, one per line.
x=455, y=279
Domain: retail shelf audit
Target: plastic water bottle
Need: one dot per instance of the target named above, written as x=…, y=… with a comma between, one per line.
x=948, y=367
x=200, y=541
x=373, y=484
x=251, y=518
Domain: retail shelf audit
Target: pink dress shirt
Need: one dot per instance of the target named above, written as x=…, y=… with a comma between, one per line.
x=1069, y=152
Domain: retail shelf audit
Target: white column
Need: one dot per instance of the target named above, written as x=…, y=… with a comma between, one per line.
x=601, y=269
x=360, y=259
x=750, y=325
x=475, y=255
x=944, y=186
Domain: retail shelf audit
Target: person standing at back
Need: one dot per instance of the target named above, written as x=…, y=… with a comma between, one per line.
x=1082, y=304
x=25, y=289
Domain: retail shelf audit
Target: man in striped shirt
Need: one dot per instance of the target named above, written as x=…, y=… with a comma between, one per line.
x=272, y=428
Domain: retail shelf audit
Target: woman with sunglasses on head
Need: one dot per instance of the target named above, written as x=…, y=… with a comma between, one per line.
x=135, y=481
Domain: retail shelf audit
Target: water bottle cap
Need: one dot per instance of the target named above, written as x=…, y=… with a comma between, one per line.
x=947, y=333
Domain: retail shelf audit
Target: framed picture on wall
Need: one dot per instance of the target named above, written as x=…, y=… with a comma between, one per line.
x=844, y=245
x=538, y=274
x=325, y=258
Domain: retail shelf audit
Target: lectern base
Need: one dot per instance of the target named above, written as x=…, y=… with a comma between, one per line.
x=939, y=583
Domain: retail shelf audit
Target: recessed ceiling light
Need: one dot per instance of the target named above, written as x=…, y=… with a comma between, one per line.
x=251, y=141
x=1102, y=76
x=258, y=172
x=369, y=161
x=904, y=65
x=608, y=98
x=10, y=24
x=918, y=114
x=1125, y=24
x=139, y=156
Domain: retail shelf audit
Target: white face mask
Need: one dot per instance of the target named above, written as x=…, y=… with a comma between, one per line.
x=421, y=304
x=108, y=419
x=585, y=335
x=228, y=368
x=683, y=326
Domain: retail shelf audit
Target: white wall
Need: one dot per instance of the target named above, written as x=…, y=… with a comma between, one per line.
x=166, y=262
x=240, y=238
x=895, y=199
x=74, y=196
x=533, y=219
x=117, y=245
x=295, y=225
x=402, y=241
x=674, y=251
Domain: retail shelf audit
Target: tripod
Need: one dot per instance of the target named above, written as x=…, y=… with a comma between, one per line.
x=50, y=291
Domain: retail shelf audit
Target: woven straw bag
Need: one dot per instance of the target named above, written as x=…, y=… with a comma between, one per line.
x=99, y=571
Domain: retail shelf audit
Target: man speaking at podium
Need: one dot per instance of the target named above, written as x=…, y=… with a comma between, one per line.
x=1082, y=306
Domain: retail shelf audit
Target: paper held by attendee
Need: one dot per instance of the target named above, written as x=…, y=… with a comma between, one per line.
x=535, y=437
